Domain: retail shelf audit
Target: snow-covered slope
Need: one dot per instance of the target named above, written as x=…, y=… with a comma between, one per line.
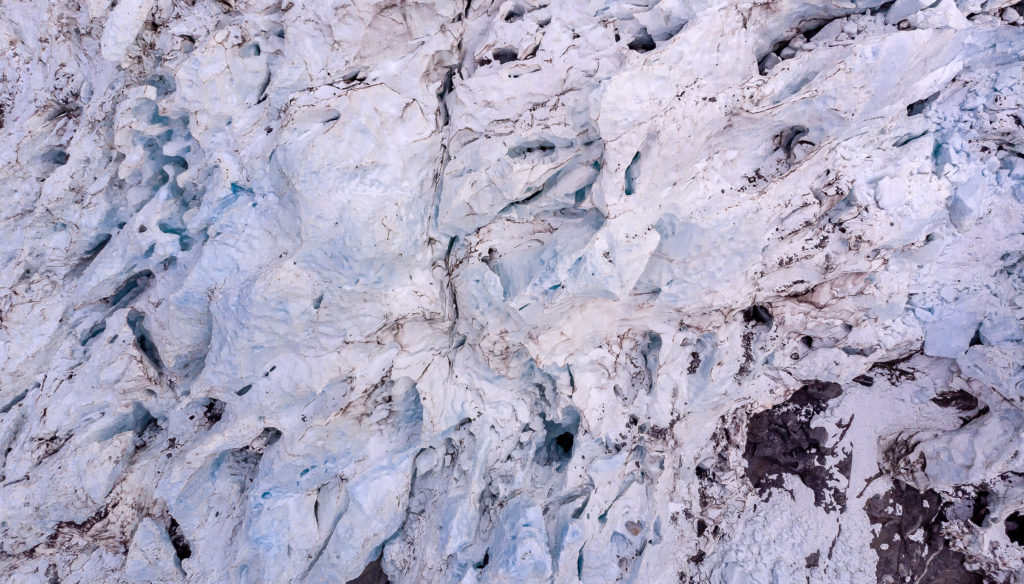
x=572, y=291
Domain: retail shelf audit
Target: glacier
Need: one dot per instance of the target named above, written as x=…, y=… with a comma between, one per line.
x=512, y=291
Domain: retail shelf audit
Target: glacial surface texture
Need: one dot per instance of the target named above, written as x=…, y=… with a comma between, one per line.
x=676, y=291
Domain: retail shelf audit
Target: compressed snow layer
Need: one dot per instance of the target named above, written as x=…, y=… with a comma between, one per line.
x=122, y=26
x=577, y=291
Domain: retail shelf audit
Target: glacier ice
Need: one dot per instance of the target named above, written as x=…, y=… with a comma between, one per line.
x=512, y=291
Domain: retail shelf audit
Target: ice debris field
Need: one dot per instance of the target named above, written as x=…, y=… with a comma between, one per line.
x=511, y=291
